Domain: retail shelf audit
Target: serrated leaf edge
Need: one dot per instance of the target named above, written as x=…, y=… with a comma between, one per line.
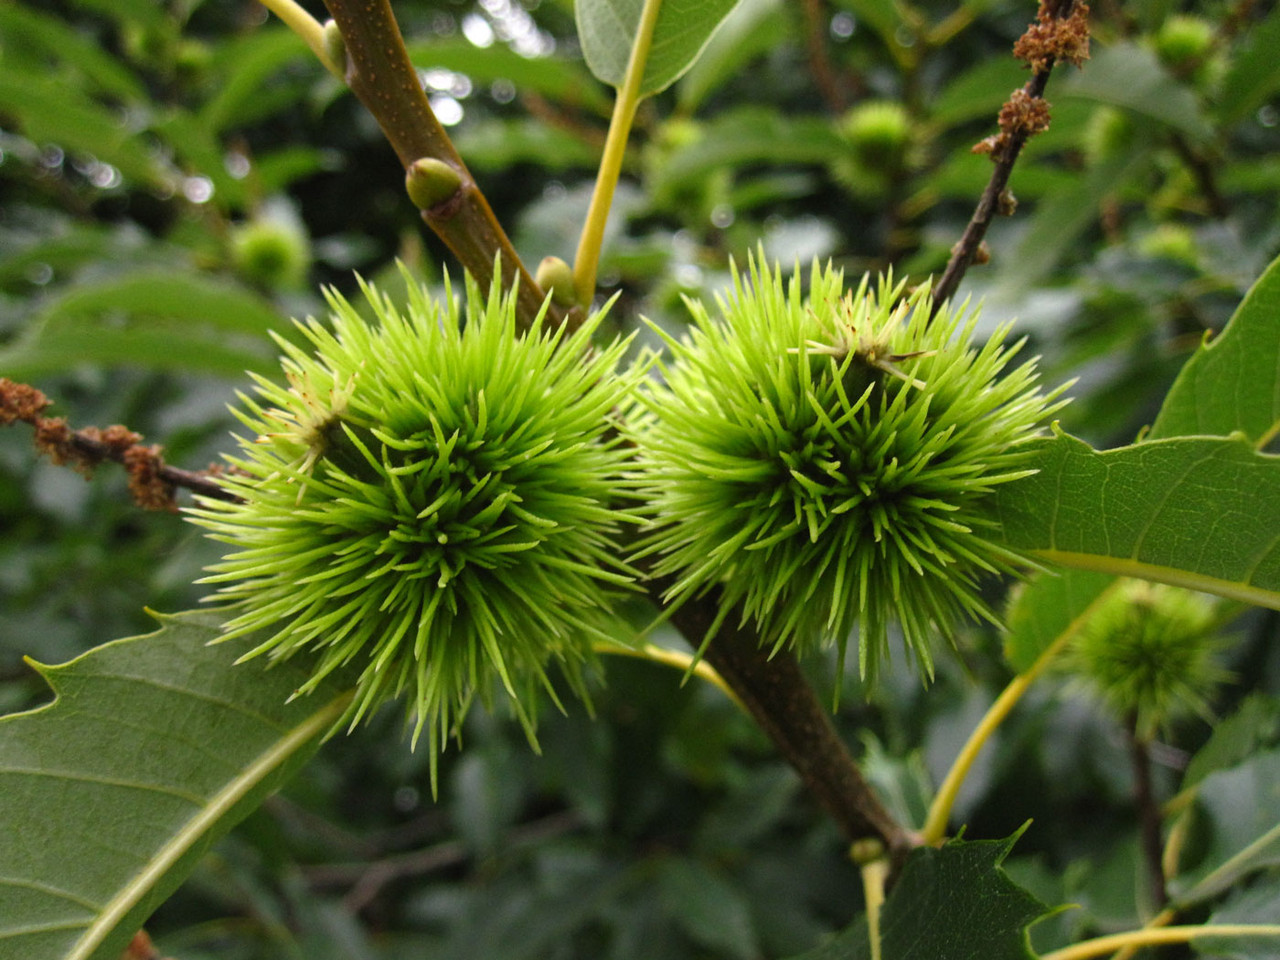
x=316, y=724
x=118, y=907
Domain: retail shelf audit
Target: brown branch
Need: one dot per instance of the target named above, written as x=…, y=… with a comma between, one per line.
x=366, y=880
x=819, y=63
x=1061, y=32
x=380, y=74
x=152, y=482
x=1202, y=170
x=1148, y=814
x=780, y=699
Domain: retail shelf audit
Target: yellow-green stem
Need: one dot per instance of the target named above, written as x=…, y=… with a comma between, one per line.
x=1162, y=919
x=307, y=27
x=874, y=874
x=1154, y=937
x=935, y=826
x=678, y=659
x=587, y=259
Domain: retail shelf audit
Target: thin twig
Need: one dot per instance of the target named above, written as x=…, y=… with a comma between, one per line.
x=1148, y=814
x=587, y=258
x=151, y=481
x=824, y=76
x=1061, y=32
x=366, y=880
x=1202, y=170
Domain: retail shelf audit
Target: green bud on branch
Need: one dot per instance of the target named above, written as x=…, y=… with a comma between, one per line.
x=555, y=277
x=335, y=48
x=431, y=182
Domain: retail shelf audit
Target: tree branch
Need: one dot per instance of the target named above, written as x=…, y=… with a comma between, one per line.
x=824, y=76
x=776, y=693
x=380, y=74
x=1061, y=32
x=1148, y=813
x=151, y=481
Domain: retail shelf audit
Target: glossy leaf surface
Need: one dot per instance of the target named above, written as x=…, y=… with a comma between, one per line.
x=1232, y=383
x=607, y=30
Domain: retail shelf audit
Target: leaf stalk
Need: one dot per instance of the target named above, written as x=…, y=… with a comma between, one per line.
x=307, y=27
x=587, y=259
x=1150, y=937
x=935, y=826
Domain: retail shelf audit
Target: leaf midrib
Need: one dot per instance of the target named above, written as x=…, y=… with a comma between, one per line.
x=114, y=911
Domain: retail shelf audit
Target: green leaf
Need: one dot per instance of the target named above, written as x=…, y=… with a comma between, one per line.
x=154, y=748
x=561, y=80
x=143, y=12
x=1254, y=73
x=49, y=111
x=1239, y=810
x=498, y=144
x=1064, y=215
x=1260, y=904
x=954, y=902
x=978, y=92
x=243, y=93
x=146, y=318
x=712, y=911
x=1232, y=383
x=882, y=16
x=747, y=136
x=1131, y=77
x=607, y=30
x=749, y=31
x=276, y=170
x=1195, y=512
x=199, y=151
x=28, y=32
x=66, y=246
x=1253, y=727
x=1044, y=608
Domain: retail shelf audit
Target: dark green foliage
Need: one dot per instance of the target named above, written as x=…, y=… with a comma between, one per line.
x=137, y=137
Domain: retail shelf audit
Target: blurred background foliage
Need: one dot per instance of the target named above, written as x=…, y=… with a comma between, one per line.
x=177, y=179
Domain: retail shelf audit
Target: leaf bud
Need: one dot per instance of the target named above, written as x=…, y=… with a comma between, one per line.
x=430, y=182
x=1183, y=41
x=555, y=277
x=335, y=48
